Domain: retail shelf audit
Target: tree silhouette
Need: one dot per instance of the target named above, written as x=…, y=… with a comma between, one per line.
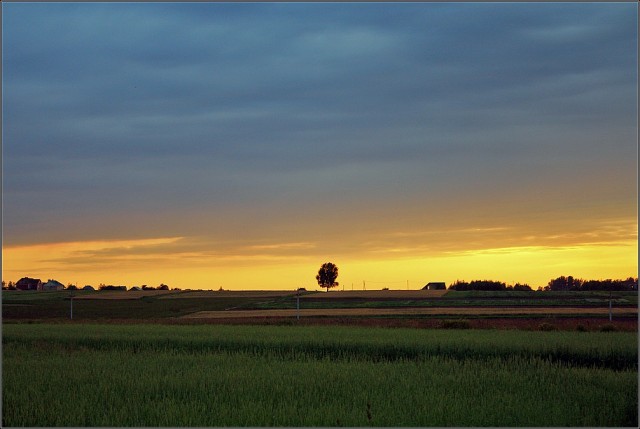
x=327, y=275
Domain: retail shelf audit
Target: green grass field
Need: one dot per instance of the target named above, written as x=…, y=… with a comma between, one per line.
x=56, y=305
x=464, y=299
x=158, y=375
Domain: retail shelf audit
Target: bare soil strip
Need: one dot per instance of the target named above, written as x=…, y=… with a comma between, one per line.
x=376, y=294
x=172, y=294
x=347, y=312
x=230, y=294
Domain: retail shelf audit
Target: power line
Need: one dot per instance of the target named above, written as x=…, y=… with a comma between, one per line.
x=391, y=282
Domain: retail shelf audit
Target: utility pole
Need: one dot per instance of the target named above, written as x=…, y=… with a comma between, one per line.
x=610, y=315
x=71, y=309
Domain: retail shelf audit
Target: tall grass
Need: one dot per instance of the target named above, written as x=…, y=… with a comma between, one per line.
x=93, y=375
x=615, y=350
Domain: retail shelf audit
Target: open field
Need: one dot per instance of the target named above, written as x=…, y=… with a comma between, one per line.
x=442, y=311
x=406, y=308
x=151, y=375
x=375, y=294
x=170, y=294
x=21, y=306
x=400, y=298
x=521, y=323
x=207, y=294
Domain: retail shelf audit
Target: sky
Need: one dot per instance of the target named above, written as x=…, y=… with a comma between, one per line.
x=208, y=145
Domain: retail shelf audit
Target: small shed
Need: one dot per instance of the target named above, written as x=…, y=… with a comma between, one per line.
x=435, y=286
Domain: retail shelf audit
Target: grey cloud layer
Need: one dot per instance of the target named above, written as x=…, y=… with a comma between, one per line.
x=119, y=110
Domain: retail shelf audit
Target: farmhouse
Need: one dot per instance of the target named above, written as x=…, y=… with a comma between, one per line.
x=435, y=286
x=27, y=283
x=52, y=285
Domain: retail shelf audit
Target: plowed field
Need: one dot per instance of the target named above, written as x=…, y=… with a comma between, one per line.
x=172, y=294
x=376, y=294
x=230, y=294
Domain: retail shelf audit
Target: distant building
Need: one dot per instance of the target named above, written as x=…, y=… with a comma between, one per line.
x=136, y=288
x=27, y=283
x=435, y=286
x=52, y=285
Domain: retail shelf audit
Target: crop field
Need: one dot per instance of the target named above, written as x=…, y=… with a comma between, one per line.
x=415, y=308
x=168, y=294
x=160, y=375
x=440, y=311
x=117, y=305
x=375, y=294
x=441, y=298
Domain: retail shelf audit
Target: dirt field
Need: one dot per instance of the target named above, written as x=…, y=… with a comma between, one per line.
x=385, y=308
x=172, y=294
x=376, y=294
x=359, y=312
x=230, y=294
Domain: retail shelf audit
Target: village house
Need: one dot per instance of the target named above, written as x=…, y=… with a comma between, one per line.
x=27, y=283
x=52, y=285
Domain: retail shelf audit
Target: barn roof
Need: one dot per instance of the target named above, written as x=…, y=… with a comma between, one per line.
x=28, y=281
x=441, y=285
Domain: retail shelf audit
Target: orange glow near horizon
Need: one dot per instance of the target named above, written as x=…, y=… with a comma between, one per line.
x=135, y=262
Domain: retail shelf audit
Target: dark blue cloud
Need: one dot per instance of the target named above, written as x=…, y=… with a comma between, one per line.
x=121, y=108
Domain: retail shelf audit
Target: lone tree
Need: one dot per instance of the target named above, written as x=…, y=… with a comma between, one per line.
x=327, y=275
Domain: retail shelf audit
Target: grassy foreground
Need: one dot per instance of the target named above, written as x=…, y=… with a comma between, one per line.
x=149, y=375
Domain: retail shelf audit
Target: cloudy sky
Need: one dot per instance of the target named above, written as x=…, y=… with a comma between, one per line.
x=243, y=145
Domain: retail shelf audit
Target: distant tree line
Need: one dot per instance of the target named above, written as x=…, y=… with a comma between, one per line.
x=570, y=283
x=487, y=285
x=111, y=287
x=561, y=283
x=162, y=286
x=14, y=286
